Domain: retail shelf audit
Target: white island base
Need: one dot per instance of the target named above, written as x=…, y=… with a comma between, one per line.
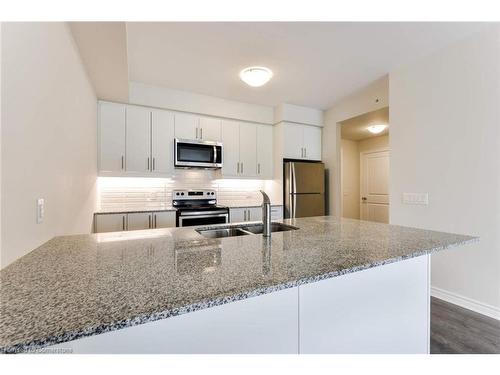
x=384, y=309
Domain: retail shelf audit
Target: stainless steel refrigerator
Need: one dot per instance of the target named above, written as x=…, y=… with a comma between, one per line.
x=304, y=189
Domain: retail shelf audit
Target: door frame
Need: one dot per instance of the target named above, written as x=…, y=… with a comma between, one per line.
x=361, y=181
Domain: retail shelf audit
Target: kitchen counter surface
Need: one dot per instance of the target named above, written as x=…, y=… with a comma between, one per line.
x=77, y=286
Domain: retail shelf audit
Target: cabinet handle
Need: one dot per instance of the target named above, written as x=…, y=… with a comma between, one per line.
x=237, y=167
x=302, y=152
x=249, y=215
x=123, y=162
x=244, y=215
x=149, y=221
x=155, y=220
x=154, y=159
x=148, y=164
x=241, y=167
x=258, y=168
x=123, y=222
x=196, y=133
x=305, y=152
x=201, y=133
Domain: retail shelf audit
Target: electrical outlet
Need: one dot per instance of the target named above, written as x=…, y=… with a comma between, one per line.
x=416, y=198
x=40, y=210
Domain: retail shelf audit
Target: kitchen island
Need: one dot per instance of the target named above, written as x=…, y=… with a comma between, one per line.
x=331, y=286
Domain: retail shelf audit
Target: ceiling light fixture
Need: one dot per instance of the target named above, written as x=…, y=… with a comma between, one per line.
x=256, y=76
x=376, y=129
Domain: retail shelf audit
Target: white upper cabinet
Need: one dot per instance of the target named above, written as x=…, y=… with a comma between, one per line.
x=209, y=129
x=293, y=142
x=301, y=142
x=162, y=141
x=186, y=126
x=111, y=137
x=265, y=151
x=312, y=142
x=138, y=148
x=248, y=149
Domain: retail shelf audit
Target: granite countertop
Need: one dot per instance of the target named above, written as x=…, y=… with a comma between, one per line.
x=77, y=286
x=167, y=208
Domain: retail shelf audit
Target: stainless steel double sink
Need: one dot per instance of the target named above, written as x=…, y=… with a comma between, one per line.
x=242, y=230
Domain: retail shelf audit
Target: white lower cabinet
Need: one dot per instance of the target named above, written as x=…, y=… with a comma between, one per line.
x=242, y=214
x=110, y=223
x=134, y=221
x=139, y=221
x=276, y=212
x=257, y=325
x=164, y=219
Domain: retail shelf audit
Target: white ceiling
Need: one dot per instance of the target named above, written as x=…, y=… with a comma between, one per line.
x=314, y=64
x=355, y=129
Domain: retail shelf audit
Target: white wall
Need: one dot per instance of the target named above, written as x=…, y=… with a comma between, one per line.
x=445, y=141
x=370, y=98
x=48, y=137
x=162, y=97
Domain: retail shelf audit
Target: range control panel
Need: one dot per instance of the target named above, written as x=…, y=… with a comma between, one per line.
x=193, y=194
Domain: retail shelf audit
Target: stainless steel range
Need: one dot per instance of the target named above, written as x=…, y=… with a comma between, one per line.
x=198, y=207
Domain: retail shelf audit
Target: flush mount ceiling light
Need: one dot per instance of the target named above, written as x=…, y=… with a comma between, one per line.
x=375, y=129
x=256, y=76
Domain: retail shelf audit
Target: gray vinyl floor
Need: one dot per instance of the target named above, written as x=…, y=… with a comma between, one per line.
x=455, y=330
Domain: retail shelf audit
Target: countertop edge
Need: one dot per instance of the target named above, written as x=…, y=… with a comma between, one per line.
x=38, y=344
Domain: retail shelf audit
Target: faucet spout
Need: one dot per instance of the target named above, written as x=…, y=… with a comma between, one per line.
x=266, y=214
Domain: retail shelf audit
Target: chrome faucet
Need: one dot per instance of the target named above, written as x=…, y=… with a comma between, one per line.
x=266, y=214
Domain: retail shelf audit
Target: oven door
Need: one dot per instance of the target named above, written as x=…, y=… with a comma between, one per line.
x=199, y=218
x=197, y=154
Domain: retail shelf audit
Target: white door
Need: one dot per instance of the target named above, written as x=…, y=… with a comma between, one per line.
x=265, y=151
x=110, y=223
x=111, y=137
x=164, y=219
x=138, y=221
x=138, y=140
x=186, y=126
x=231, y=148
x=293, y=141
x=210, y=129
x=162, y=137
x=375, y=186
x=312, y=142
x=237, y=215
x=248, y=147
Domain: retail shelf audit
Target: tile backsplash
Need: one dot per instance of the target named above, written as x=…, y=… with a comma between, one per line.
x=128, y=193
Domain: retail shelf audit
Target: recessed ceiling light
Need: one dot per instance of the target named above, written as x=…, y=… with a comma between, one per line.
x=256, y=76
x=375, y=129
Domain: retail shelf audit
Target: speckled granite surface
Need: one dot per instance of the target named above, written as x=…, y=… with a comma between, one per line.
x=76, y=286
x=169, y=208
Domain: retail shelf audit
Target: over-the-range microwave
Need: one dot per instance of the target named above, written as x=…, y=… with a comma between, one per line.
x=197, y=154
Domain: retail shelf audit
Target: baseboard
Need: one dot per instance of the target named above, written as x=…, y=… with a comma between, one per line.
x=467, y=303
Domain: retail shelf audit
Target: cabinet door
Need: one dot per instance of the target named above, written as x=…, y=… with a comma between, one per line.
x=248, y=149
x=110, y=223
x=138, y=140
x=209, y=129
x=138, y=221
x=162, y=138
x=164, y=219
x=293, y=142
x=186, y=126
x=111, y=137
x=254, y=214
x=265, y=151
x=231, y=147
x=237, y=215
x=312, y=142
x=276, y=212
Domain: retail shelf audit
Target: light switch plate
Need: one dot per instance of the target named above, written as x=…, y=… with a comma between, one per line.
x=416, y=198
x=40, y=210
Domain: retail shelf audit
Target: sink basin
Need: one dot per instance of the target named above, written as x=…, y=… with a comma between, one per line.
x=222, y=232
x=275, y=227
x=238, y=230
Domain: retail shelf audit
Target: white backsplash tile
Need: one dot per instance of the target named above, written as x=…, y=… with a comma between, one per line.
x=124, y=193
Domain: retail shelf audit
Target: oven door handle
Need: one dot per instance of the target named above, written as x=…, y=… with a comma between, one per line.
x=203, y=214
x=181, y=218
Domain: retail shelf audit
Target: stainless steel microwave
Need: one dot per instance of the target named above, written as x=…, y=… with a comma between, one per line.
x=197, y=154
